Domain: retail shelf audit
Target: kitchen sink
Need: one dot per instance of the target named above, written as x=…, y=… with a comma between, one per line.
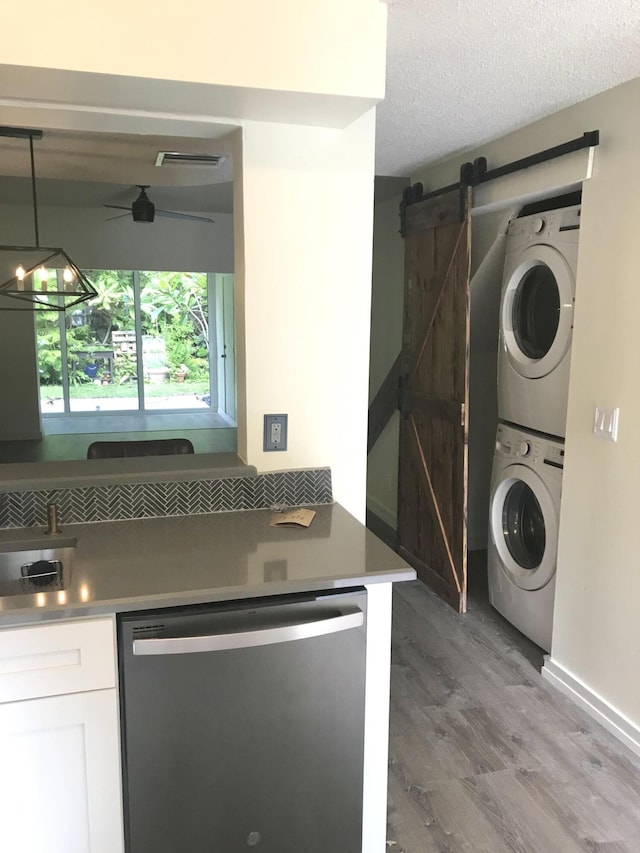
x=39, y=565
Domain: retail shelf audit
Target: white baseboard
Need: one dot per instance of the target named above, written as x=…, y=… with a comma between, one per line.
x=597, y=707
x=384, y=513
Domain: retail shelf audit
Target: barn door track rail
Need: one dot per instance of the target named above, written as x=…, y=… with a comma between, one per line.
x=476, y=173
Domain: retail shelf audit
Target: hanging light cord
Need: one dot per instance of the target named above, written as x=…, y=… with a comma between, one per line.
x=33, y=192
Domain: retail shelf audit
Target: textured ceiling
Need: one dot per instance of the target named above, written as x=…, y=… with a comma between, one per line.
x=463, y=72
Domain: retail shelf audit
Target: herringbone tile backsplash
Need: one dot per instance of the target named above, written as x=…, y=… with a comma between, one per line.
x=150, y=500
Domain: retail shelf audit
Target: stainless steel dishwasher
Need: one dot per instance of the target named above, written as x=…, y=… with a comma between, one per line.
x=243, y=725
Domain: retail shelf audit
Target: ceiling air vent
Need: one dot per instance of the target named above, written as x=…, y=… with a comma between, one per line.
x=176, y=158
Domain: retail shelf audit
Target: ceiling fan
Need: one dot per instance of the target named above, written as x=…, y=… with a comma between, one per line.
x=144, y=210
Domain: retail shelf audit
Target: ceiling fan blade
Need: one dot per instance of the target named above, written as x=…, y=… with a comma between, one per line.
x=174, y=214
x=119, y=216
x=117, y=207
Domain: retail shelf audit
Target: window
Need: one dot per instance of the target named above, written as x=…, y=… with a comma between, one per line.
x=145, y=343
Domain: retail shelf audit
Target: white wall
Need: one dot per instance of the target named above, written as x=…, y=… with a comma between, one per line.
x=308, y=204
x=596, y=636
x=334, y=47
x=303, y=196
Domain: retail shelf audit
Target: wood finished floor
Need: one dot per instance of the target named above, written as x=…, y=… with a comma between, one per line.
x=485, y=757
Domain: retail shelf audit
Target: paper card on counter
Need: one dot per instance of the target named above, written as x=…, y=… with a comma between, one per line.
x=293, y=518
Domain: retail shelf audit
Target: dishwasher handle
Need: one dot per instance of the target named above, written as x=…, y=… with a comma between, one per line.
x=248, y=639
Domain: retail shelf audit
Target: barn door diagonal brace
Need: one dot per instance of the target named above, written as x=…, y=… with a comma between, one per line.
x=443, y=286
x=424, y=468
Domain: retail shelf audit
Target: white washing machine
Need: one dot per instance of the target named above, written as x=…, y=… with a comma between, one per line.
x=536, y=320
x=526, y=485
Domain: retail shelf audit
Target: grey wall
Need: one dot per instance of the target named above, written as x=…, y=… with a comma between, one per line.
x=386, y=339
x=94, y=243
x=19, y=405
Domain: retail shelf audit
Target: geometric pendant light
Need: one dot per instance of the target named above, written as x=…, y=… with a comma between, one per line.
x=43, y=278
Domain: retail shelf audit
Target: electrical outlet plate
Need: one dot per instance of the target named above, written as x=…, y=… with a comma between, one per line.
x=275, y=432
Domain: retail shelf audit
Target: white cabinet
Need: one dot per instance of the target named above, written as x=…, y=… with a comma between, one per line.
x=60, y=784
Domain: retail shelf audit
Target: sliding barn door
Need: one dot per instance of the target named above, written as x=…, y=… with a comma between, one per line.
x=434, y=395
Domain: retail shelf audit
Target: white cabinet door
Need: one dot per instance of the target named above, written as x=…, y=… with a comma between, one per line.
x=60, y=787
x=54, y=659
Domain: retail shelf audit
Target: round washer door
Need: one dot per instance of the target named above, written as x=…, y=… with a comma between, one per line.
x=537, y=311
x=524, y=527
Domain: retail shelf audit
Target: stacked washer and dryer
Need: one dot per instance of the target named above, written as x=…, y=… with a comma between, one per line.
x=536, y=322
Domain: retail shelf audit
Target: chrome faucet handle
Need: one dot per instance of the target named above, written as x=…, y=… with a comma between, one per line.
x=52, y=519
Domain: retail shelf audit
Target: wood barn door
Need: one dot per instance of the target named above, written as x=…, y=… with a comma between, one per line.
x=434, y=394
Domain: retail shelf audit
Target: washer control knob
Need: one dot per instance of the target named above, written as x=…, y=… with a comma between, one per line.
x=524, y=448
x=538, y=224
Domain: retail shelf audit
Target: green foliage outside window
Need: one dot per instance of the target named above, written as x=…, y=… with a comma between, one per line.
x=173, y=306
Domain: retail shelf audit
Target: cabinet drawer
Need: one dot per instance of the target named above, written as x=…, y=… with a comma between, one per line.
x=49, y=660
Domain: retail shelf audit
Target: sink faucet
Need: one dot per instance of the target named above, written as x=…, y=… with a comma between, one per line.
x=52, y=519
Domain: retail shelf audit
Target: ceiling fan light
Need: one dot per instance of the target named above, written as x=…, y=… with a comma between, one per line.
x=143, y=209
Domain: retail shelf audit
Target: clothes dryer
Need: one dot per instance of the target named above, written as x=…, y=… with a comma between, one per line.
x=536, y=320
x=526, y=486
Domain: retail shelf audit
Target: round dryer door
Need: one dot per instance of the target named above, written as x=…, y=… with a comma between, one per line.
x=537, y=311
x=524, y=527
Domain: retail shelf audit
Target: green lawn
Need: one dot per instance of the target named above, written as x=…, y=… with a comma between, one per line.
x=90, y=390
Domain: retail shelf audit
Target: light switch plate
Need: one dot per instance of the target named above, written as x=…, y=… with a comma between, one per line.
x=605, y=425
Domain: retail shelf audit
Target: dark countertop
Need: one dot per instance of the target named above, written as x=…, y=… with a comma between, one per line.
x=163, y=562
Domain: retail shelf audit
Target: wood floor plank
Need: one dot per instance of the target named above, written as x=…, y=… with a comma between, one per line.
x=438, y=817
x=587, y=817
x=516, y=816
x=425, y=679
x=437, y=744
x=610, y=781
x=484, y=755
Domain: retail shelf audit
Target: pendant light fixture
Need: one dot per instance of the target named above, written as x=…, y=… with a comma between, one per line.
x=44, y=278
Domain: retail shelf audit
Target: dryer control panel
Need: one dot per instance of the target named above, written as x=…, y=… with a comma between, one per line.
x=514, y=443
x=550, y=223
